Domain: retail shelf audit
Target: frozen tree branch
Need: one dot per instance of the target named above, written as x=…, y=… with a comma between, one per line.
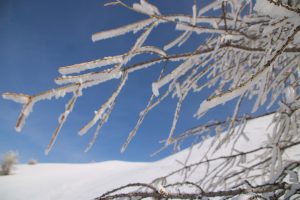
x=249, y=51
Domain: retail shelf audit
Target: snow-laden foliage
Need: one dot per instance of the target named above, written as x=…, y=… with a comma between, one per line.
x=251, y=52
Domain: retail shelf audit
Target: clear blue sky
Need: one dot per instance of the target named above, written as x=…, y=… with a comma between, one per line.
x=37, y=37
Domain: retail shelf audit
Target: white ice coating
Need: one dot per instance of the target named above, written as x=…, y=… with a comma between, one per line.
x=194, y=14
x=99, y=76
x=208, y=104
x=267, y=8
x=293, y=176
x=269, y=29
x=144, y=65
x=138, y=44
x=63, y=117
x=175, y=120
x=198, y=30
x=230, y=37
x=208, y=7
x=27, y=109
x=261, y=95
x=187, y=19
x=175, y=42
x=18, y=98
x=99, y=114
x=106, y=61
x=290, y=95
x=152, y=49
x=57, y=93
x=179, y=71
x=91, y=65
x=134, y=27
x=185, y=38
x=155, y=89
x=146, y=7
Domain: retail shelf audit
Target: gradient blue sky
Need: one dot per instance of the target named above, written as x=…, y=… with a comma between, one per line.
x=38, y=36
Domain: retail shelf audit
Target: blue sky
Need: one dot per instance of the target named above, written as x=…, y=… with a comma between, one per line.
x=37, y=37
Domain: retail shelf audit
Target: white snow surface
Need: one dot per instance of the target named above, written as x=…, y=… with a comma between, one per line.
x=87, y=181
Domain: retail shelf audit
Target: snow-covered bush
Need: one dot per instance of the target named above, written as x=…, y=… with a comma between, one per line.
x=9, y=160
x=251, y=53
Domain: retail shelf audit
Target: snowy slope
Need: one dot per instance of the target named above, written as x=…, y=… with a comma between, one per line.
x=87, y=181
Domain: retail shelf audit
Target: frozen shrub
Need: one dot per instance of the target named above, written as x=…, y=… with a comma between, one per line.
x=9, y=160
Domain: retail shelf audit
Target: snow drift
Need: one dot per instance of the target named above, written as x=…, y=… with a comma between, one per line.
x=87, y=181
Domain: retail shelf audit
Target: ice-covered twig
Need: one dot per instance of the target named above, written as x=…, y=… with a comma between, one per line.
x=99, y=114
x=63, y=117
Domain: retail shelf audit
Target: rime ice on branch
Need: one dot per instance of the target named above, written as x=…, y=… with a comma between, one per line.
x=250, y=52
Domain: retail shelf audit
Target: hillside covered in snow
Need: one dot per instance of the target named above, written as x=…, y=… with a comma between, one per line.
x=87, y=181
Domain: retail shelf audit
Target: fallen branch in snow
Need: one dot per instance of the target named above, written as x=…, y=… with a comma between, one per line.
x=261, y=189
